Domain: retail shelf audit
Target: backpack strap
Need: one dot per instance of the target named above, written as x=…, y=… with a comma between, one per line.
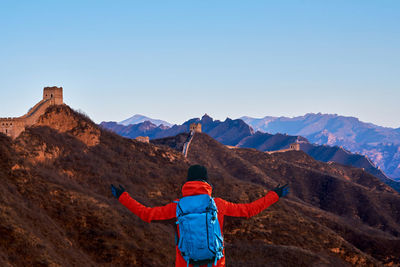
x=176, y=227
x=176, y=233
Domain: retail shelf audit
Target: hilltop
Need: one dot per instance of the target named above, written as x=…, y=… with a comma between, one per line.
x=57, y=209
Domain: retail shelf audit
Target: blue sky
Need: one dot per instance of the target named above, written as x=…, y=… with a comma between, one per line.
x=176, y=60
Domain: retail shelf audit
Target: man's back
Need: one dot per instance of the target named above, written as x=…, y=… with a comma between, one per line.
x=193, y=188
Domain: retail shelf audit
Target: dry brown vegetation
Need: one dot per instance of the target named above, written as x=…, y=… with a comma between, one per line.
x=56, y=208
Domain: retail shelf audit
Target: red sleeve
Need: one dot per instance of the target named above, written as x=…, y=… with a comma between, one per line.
x=148, y=214
x=246, y=210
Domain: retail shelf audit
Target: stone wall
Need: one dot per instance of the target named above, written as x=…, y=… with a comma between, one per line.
x=292, y=147
x=13, y=127
x=144, y=139
x=295, y=146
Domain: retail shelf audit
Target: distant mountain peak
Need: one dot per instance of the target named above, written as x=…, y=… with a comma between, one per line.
x=138, y=118
x=206, y=118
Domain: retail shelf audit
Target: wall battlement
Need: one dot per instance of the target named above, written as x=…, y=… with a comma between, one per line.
x=13, y=127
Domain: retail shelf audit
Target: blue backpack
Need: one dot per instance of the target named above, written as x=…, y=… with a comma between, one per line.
x=200, y=239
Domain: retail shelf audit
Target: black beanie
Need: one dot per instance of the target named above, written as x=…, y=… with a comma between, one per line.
x=197, y=173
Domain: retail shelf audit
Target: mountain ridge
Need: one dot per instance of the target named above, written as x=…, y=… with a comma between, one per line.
x=319, y=114
x=380, y=144
x=240, y=134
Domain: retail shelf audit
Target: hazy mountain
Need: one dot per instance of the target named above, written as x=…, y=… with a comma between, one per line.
x=339, y=155
x=146, y=128
x=320, y=126
x=140, y=118
x=380, y=144
x=57, y=208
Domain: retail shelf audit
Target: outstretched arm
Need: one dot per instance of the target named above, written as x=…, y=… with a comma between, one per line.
x=145, y=213
x=246, y=210
x=148, y=214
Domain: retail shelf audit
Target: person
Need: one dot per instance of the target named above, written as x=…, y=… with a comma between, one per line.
x=197, y=184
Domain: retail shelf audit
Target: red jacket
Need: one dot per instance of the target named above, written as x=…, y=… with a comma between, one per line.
x=191, y=188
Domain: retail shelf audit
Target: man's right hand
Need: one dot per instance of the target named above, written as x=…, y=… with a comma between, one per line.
x=117, y=192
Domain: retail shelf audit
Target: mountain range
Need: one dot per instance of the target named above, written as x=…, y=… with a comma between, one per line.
x=238, y=133
x=229, y=132
x=57, y=208
x=380, y=144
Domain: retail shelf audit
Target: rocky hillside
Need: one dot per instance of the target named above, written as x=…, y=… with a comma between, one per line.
x=57, y=209
x=55, y=202
x=333, y=202
x=380, y=144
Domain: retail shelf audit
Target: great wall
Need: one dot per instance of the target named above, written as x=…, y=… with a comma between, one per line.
x=292, y=147
x=13, y=127
x=194, y=128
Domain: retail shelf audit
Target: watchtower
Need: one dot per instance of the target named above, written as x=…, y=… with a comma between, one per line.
x=195, y=127
x=143, y=139
x=55, y=94
x=295, y=146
